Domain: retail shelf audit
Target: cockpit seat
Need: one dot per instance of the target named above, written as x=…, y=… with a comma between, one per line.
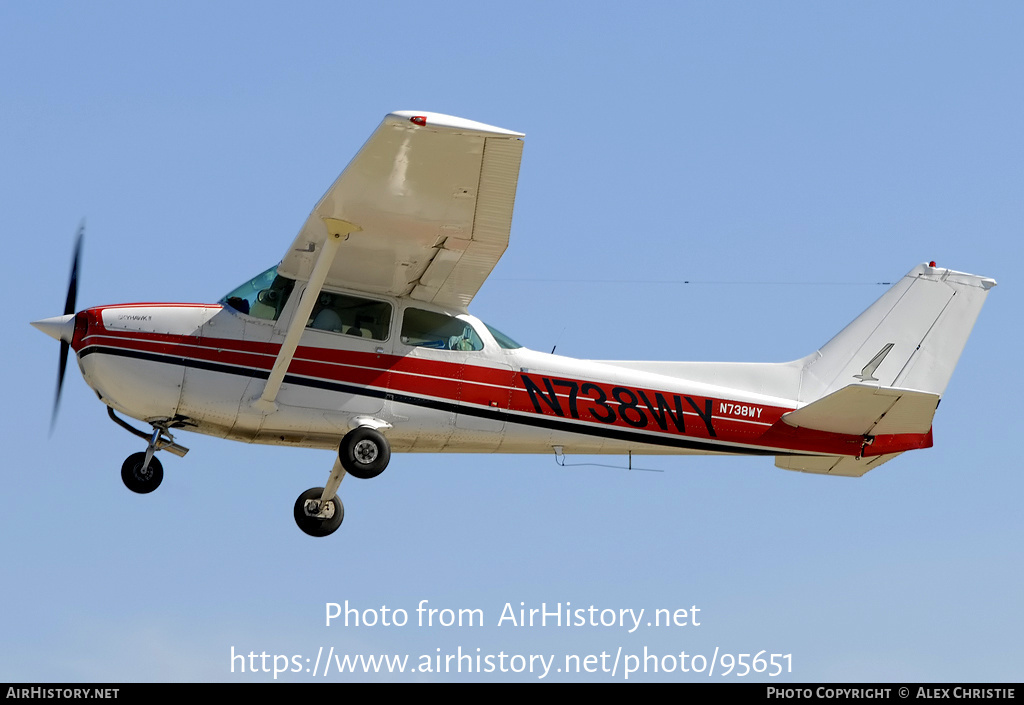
x=327, y=319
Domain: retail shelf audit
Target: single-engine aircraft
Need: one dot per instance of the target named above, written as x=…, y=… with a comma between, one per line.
x=359, y=340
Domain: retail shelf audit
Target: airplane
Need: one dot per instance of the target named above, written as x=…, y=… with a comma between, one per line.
x=359, y=341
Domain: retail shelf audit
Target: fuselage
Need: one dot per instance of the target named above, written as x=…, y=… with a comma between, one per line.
x=201, y=366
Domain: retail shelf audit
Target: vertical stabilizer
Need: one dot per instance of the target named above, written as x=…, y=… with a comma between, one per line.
x=910, y=338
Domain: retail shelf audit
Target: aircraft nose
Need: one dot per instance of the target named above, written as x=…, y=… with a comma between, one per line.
x=59, y=327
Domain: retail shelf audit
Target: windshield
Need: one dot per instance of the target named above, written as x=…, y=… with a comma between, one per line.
x=503, y=340
x=263, y=296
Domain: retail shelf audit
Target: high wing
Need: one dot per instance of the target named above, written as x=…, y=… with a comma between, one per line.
x=431, y=196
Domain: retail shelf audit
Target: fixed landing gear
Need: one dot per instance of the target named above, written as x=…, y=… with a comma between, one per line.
x=138, y=476
x=363, y=453
x=141, y=472
x=318, y=517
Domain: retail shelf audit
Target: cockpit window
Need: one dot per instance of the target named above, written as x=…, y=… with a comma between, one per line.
x=436, y=330
x=263, y=296
x=502, y=339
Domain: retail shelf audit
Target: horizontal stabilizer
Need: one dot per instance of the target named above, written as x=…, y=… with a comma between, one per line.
x=867, y=410
x=846, y=466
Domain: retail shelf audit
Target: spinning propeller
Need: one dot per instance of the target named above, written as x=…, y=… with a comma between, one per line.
x=63, y=327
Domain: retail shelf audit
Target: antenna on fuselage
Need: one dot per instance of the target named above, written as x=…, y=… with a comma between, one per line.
x=561, y=462
x=559, y=338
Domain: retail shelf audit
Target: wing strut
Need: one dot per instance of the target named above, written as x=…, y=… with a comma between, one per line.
x=337, y=232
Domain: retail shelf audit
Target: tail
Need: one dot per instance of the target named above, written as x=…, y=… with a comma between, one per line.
x=911, y=338
x=886, y=372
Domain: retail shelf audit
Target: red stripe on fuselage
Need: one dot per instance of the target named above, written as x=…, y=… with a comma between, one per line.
x=576, y=401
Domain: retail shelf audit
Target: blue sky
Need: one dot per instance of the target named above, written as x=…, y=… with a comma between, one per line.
x=782, y=157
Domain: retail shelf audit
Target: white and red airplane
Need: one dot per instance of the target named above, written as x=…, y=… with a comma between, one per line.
x=360, y=340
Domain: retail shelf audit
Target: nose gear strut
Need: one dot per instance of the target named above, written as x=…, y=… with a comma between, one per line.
x=142, y=472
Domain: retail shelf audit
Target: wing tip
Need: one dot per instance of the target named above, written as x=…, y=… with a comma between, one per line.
x=440, y=121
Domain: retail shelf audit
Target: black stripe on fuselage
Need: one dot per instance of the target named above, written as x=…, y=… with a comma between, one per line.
x=505, y=416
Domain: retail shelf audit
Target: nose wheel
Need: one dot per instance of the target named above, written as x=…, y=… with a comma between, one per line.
x=140, y=476
x=142, y=472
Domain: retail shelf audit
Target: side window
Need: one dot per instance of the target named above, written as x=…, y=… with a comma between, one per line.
x=436, y=330
x=350, y=315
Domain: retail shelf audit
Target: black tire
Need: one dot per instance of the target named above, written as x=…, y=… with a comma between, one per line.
x=138, y=481
x=364, y=452
x=312, y=525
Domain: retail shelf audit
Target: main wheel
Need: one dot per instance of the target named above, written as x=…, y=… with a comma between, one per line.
x=364, y=452
x=315, y=526
x=138, y=481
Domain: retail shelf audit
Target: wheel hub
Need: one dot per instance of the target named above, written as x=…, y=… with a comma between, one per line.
x=319, y=510
x=365, y=452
